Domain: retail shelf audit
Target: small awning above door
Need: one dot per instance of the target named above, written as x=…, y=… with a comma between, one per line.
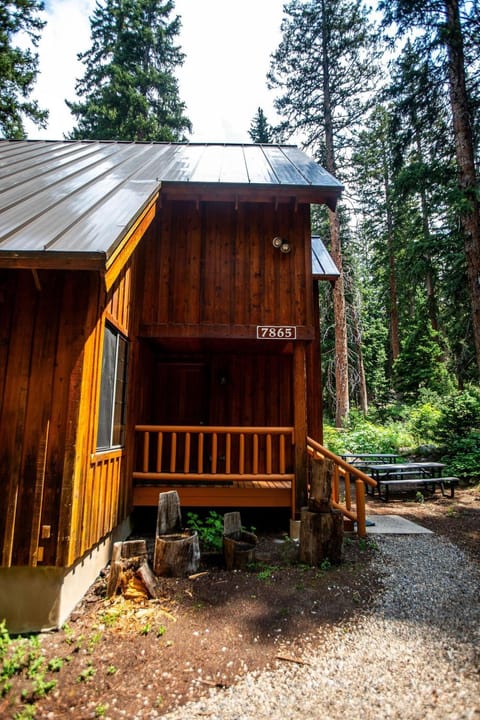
x=323, y=267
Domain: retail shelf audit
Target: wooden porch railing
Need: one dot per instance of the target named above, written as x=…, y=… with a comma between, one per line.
x=352, y=510
x=214, y=453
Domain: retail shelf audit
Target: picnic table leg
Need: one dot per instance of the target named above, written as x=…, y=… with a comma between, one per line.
x=360, y=502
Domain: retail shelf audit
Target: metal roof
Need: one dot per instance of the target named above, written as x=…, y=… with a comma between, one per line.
x=323, y=266
x=77, y=198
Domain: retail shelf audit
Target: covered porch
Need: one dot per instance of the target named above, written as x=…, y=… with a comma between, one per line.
x=218, y=466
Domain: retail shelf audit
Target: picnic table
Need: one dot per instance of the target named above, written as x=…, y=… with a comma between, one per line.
x=363, y=460
x=401, y=475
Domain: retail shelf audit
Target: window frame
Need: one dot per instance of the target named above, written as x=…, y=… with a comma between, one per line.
x=112, y=406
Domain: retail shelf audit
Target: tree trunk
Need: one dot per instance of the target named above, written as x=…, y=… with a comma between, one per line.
x=357, y=334
x=341, y=344
x=392, y=271
x=467, y=180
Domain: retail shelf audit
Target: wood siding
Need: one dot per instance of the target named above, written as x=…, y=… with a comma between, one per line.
x=214, y=264
x=59, y=498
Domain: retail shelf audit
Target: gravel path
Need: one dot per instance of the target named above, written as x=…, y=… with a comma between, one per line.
x=415, y=657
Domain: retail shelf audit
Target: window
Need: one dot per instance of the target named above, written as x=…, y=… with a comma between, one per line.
x=111, y=419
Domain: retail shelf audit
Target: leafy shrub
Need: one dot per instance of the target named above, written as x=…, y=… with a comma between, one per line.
x=368, y=438
x=209, y=529
x=423, y=422
x=462, y=457
x=460, y=413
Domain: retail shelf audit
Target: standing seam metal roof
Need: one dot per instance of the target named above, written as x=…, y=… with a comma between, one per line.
x=82, y=197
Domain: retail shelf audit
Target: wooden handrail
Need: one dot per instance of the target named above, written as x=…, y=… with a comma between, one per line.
x=319, y=453
x=315, y=448
x=255, y=455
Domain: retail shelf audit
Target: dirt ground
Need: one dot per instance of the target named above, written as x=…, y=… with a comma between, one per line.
x=124, y=659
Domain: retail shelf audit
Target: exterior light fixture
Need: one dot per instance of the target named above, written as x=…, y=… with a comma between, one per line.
x=281, y=244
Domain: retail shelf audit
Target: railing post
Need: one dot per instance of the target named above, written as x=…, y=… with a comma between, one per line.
x=186, y=459
x=146, y=450
x=360, y=501
x=200, y=452
x=173, y=453
x=214, y=452
x=159, y=451
x=348, y=499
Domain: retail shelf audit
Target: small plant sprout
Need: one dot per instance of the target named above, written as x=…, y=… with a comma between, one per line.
x=87, y=673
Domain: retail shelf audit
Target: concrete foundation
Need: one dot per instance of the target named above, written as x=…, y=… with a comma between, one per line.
x=41, y=598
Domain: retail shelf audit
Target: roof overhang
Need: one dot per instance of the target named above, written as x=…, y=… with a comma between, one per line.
x=85, y=205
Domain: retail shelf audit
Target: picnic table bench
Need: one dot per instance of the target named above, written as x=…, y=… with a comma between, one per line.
x=426, y=475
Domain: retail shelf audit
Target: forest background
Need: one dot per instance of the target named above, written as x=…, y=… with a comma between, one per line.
x=387, y=100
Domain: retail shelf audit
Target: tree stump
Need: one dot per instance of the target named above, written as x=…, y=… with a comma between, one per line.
x=239, y=546
x=321, y=527
x=176, y=554
x=320, y=496
x=129, y=565
x=321, y=536
x=177, y=551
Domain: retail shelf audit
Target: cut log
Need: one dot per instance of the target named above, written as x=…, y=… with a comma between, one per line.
x=232, y=523
x=321, y=486
x=321, y=536
x=239, y=546
x=133, y=549
x=114, y=577
x=176, y=554
x=239, y=551
x=148, y=579
x=129, y=564
x=169, y=516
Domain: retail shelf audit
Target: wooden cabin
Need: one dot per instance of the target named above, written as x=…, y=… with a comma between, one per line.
x=158, y=330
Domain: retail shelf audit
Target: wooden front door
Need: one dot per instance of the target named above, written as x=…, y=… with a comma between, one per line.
x=181, y=394
x=181, y=397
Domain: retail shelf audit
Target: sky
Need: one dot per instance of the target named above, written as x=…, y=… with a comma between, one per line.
x=227, y=43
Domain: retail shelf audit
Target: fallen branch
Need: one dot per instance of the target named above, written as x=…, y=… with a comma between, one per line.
x=287, y=658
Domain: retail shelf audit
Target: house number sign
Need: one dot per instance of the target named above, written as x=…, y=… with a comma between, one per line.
x=276, y=332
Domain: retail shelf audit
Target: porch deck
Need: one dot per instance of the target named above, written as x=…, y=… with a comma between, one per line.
x=245, y=493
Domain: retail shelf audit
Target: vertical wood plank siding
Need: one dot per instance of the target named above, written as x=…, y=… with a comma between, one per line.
x=215, y=264
x=54, y=497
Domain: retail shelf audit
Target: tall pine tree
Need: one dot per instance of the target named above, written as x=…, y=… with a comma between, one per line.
x=19, y=67
x=324, y=68
x=448, y=29
x=129, y=90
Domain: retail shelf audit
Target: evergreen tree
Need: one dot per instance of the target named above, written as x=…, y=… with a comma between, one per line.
x=19, y=68
x=448, y=31
x=260, y=131
x=324, y=67
x=129, y=90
